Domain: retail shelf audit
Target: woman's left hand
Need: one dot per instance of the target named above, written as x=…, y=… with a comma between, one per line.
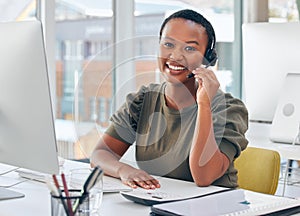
x=208, y=84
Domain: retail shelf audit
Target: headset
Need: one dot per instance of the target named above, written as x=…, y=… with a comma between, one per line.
x=210, y=56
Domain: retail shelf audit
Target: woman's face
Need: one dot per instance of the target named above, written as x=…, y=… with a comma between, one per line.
x=182, y=46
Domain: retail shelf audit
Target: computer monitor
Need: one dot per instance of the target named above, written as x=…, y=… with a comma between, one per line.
x=286, y=123
x=270, y=51
x=27, y=134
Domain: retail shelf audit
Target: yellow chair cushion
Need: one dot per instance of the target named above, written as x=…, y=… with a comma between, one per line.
x=258, y=170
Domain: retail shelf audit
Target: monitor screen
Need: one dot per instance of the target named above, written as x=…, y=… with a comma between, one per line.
x=27, y=135
x=270, y=51
x=286, y=121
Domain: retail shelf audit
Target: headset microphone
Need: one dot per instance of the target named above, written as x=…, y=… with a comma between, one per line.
x=211, y=63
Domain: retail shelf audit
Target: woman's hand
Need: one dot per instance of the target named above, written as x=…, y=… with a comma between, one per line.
x=208, y=84
x=137, y=178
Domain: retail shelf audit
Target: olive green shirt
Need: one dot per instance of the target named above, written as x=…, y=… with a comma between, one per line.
x=163, y=136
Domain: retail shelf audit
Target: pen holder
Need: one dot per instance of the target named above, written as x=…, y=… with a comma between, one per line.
x=77, y=180
x=60, y=207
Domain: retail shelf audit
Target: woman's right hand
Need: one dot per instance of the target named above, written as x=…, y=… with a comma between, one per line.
x=137, y=178
x=208, y=84
x=107, y=154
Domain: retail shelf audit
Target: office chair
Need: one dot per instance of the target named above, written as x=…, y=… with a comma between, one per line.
x=258, y=170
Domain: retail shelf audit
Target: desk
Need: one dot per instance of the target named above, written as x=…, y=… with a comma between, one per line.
x=37, y=200
x=258, y=136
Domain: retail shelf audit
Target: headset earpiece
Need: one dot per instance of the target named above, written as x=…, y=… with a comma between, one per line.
x=210, y=57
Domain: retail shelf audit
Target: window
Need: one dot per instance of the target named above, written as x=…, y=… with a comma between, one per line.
x=84, y=35
x=284, y=10
x=17, y=10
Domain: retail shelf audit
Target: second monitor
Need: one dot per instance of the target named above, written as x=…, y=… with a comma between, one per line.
x=270, y=51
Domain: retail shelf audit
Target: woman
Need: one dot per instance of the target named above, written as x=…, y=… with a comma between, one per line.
x=184, y=128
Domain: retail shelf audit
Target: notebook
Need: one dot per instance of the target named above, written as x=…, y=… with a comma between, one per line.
x=286, y=122
x=234, y=202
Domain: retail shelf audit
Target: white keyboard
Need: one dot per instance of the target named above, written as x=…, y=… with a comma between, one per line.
x=110, y=184
x=150, y=197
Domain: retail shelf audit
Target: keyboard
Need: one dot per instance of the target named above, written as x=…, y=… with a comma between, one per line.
x=110, y=184
x=150, y=197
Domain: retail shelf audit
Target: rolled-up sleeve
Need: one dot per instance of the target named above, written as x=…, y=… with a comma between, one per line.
x=124, y=121
x=230, y=119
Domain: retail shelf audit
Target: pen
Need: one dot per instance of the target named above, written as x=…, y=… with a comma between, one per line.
x=92, y=179
x=60, y=194
x=67, y=194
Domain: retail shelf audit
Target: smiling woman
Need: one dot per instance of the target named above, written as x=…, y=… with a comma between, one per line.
x=184, y=128
x=181, y=54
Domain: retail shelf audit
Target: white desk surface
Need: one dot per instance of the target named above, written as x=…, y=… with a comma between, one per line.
x=37, y=196
x=37, y=202
x=258, y=136
x=37, y=199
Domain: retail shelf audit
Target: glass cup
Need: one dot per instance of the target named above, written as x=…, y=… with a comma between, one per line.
x=62, y=205
x=77, y=180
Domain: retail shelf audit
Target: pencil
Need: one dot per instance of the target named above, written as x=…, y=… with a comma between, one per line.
x=60, y=195
x=67, y=194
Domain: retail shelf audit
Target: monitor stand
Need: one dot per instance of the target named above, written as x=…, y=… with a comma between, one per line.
x=7, y=182
x=6, y=194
